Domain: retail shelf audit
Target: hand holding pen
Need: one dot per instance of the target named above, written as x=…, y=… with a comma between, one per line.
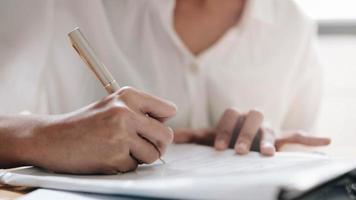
x=112, y=135
x=145, y=112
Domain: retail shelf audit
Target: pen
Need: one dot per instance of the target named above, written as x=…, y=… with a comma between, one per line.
x=85, y=51
x=88, y=55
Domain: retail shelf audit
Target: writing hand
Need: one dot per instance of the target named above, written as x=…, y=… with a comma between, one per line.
x=113, y=135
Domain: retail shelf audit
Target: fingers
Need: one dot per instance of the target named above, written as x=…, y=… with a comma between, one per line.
x=248, y=132
x=143, y=150
x=147, y=104
x=203, y=136
x=225, y=128
x=154, y=131
x=184, y=135
x=126, y=164
x=268, y=138
x=148, y=114
x=300, y=138
x=123, y=162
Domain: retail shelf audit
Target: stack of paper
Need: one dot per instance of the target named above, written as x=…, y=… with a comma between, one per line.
x=198, y=172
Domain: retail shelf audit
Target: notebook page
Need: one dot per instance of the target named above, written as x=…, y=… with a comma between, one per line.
x=205, y=160
x=191, y=171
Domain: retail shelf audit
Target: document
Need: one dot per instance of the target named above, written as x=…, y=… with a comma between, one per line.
x=45, y=194
x=197, y=172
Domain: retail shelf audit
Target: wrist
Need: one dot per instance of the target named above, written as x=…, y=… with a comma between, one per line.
x=28, y=139
x=16, y=133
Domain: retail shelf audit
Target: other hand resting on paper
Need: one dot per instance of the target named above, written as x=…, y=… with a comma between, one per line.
x=248, y=127
x=112, y=135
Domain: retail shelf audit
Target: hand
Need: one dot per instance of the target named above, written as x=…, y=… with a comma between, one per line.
x=113, y=135
x=246, y=127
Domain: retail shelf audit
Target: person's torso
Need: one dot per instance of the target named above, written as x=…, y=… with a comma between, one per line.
x=251, y=66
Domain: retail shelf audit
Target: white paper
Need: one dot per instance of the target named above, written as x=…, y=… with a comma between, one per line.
x=197, y=172
x=45, y=194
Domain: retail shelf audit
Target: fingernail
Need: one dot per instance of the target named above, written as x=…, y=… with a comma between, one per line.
x=267, y=145
x=220, y=145
x=241, y=148
x=170, y=129
x=174, y=106
x=171, y=134
x=267, y=149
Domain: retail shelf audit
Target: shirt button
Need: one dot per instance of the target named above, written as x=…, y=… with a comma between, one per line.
x=194, y=67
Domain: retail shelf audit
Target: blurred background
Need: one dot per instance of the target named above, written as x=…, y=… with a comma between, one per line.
x=337, y=43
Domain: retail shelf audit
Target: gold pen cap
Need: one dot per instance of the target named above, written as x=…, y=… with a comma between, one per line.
x=83, y=48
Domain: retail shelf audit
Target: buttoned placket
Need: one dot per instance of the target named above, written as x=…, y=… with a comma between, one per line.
x=193, y=75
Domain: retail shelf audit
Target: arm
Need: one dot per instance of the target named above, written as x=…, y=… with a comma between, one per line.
x=16, y=138
x=109, y=136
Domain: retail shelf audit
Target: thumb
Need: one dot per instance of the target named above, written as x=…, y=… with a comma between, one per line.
x=204, y=136
x=184, y=135
x=299, y=138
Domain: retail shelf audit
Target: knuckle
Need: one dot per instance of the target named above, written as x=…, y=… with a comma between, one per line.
x=230, y=112
x=257, y=113
x=102, y=103
x=126, y=92
x=223, y=134
x=246, y=138
x=118, y=111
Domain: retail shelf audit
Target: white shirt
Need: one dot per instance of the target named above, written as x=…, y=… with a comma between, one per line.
x=267, y=61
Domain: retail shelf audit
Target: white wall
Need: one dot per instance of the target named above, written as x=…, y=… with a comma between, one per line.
x=329, y=9
x=338, y=112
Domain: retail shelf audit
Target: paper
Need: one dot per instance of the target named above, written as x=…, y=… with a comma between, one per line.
x=45, y=194
x=197, y=172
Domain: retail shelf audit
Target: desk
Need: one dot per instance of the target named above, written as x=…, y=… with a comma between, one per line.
x=9, y=193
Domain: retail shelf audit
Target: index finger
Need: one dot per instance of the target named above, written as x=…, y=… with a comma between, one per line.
x=154, y=131
x=153, y=106
x=225, y=128
x=248, y=132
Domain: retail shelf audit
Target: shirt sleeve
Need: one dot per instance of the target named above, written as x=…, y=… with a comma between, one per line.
x=306, y=95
